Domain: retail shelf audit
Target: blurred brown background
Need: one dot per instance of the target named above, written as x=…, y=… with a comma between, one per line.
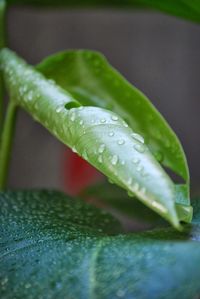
x=157, y=53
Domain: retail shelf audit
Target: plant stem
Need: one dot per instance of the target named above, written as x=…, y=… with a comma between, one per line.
x=2, y=45
x=2, y=23
x=6, y=142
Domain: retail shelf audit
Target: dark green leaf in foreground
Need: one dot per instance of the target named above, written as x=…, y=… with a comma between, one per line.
x=188, y=9
x=98, y=135
x=55, y=247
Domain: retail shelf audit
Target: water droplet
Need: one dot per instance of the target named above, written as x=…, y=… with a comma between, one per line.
x=30, y=96
x=74, y=149
x=111, y=133
x=121, y=141
x=103, y=120
x=135, y=160
x=114, y=117
x=59, y=109
x=102, y=148
x=100, y=160
x=114, y=160
x=139, y=168
x=120, y=293
x=137, y=137
x=4, y=281
x=81, y=122
x=72, y=116
x=139, y=148
x=125, y=124
x=27, y=285
x=85, y=156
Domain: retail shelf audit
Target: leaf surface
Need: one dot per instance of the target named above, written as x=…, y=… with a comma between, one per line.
x=100, y=136
x=88, y=76
x=55, y=247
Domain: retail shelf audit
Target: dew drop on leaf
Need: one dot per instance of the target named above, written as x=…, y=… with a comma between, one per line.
x=114, y=159
x=74, y=150
x=135, y=160
x=72, y=116
x=111, y=134
x=137, y=137
x=30, y=96
x=100, y=160
x=139, y=168
x=114, y=117
x=59, y=109
x=121, y=141
x=125, y=124
x=139, y=148
x=120, y=293
x=102, y=148
x=84, y=155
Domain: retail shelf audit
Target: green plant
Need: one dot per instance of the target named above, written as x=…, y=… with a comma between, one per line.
x=53, y=246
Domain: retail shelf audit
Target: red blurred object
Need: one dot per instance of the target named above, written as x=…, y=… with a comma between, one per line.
x=78, y=174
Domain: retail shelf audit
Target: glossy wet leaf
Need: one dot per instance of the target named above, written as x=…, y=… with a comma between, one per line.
x=55, y=247
x=188, y=9
x=90, y=79
x=98, y=135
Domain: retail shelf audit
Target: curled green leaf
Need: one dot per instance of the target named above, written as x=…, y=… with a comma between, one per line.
x=88, y=77
x=100, y=136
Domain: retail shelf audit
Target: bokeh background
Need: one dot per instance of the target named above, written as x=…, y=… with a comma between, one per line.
x=159, y=54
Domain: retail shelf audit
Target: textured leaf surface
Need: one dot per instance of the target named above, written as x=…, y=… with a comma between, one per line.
x=89, y=77
x=188, y=9
x=55, y=247
x=97, y=134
